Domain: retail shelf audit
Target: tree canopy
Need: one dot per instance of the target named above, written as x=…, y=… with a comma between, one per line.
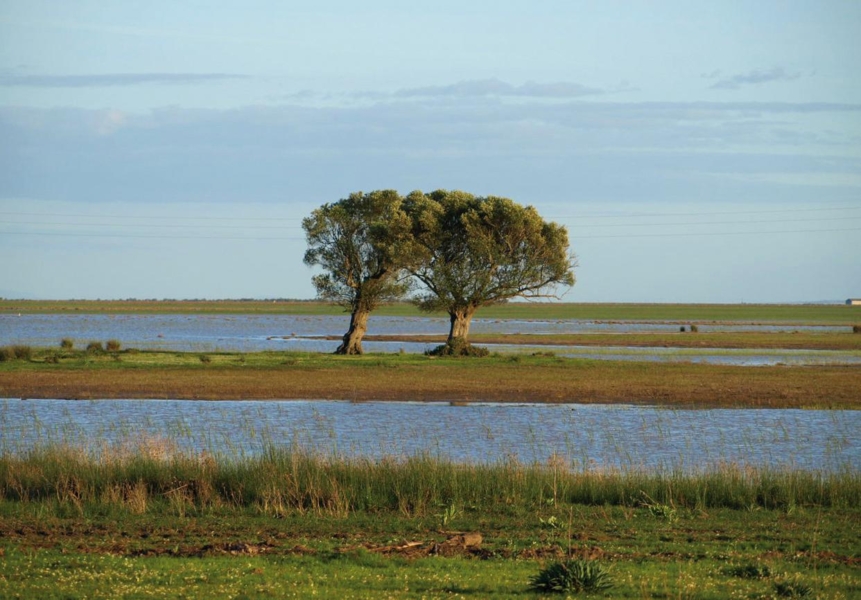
x=465, y=251
x=361, y=243
x=477, y=251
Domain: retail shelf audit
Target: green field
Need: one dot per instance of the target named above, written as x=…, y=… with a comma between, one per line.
x=147, y=521
x=682, y=313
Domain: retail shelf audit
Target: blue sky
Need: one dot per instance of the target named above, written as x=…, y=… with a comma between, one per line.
x=696, y=151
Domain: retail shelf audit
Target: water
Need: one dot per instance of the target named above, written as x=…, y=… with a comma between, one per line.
x=245, y=333
x=585, y=436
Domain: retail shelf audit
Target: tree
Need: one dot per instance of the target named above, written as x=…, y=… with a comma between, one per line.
x=478, y=251
x=360, y=243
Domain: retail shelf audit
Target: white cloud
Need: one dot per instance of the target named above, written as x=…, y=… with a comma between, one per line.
x=756, y=77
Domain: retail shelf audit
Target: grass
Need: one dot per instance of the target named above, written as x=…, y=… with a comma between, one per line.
x=541, y=378
x=149, y=521
x=682, y=313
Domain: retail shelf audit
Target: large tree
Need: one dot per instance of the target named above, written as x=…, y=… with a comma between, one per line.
x=360, y=242
x=478, y=251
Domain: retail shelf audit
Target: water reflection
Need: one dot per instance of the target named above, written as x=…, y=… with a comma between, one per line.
x=587, y=436
x=245, y=333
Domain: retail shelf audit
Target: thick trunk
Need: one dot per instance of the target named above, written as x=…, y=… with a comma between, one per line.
x=460, y=321
x=352, y=343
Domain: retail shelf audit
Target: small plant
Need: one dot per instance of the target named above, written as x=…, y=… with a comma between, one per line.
x=792, y=589
x=682, y=329
x=52, y=358
x=112, y=345
x=551, y=522
x=67, y=344
x=205, y=359
x=694, y=329
x=6, y=354
x=856, y=329
x=660, y=511
x=95, y=347
x=572, y=576
x=749, y=571
x=449, y=514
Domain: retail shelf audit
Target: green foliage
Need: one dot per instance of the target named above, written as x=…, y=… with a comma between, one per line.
x=15, y=352
x=792, y=589
x=856, y=329
x=67, y=343
x=112, y=345
x=572, y=576
x=95, y=347
x=478, y=251
x=458, y=347
x=361, y=243
x=749, y=571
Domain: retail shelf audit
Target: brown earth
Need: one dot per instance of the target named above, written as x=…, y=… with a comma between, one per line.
x=555, y=380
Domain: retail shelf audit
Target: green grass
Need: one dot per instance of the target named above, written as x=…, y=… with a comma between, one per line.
x=676, y=313
x=148, y=521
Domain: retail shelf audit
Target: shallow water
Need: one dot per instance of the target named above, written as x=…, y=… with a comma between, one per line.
x=244, y=333
x=584, y=436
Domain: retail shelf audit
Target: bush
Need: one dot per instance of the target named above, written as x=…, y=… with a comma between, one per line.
x=682, y=329
x=856, y=329
x=458, y=347
x=95, y=348
x=205, y=359
x=113, y=345
x=694, y=329
x=67, y=343
x=572, y=576
x=792, y=589
x=16, y=352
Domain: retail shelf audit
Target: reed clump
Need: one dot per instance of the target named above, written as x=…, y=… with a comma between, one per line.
x=155, y=473
x=15, y=352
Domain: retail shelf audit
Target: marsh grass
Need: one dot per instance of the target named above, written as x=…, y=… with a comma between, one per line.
x=155, y=473
x=16, y=352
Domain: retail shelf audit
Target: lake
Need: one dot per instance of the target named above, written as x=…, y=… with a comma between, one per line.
x=245, y=333
x=584, y=436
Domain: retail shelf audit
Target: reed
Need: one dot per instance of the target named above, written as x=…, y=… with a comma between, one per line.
x=157, y=476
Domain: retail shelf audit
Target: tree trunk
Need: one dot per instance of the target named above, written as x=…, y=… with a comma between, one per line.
x=352, y=343
x=460, y=320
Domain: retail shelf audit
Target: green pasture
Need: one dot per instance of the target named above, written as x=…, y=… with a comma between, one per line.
x=682, y=313
x=147, y=521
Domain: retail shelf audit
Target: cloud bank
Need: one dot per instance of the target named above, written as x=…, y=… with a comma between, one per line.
x=113, y=79
x=754, y=78
x=495, y=87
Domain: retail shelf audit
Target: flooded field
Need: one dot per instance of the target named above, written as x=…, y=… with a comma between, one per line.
x=244, y=333
x=582, y=436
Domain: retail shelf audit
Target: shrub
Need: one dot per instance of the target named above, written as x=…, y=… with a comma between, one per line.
x=16, y=352
x=792, y=589
x=458, y=347
x=67, y=343
x=856, y=329
x=694, y=329
x=113, y=345
x=95, y=347
x=749, y=571
x=205, y=359
x=682, y=329
x=572, y=576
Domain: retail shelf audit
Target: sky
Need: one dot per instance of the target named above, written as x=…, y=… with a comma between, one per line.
x=695, y=151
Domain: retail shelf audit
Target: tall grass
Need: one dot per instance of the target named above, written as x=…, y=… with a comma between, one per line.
x=156, y=476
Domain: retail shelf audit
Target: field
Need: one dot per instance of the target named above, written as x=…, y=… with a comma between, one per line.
x=837, y=314
x=531, y=378
x=146, y=520
x=149, y=522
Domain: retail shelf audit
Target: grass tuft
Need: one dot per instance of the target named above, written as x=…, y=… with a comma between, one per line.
x=572, y=576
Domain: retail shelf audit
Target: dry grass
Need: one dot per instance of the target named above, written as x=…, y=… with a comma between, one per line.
x=394, y=378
